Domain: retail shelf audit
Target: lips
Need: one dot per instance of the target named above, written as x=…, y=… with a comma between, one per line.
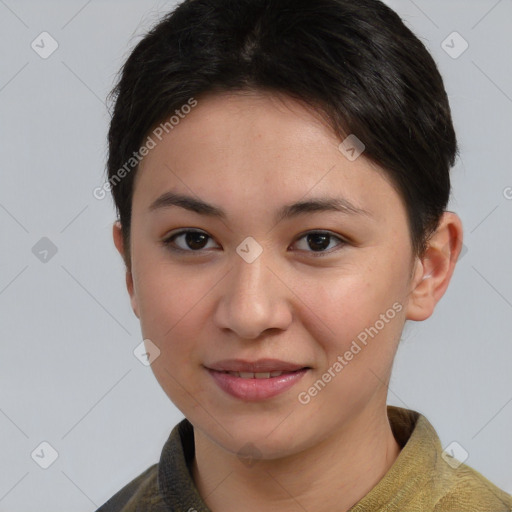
x=258, y=380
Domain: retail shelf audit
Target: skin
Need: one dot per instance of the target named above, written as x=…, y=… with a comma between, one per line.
x=250, y=154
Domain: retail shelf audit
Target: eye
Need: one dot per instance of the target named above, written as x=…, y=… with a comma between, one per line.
x=319, y=241
x=192, y=241
x=195, y=241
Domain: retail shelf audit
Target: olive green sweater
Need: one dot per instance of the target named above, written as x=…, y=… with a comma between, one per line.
x=420, y=479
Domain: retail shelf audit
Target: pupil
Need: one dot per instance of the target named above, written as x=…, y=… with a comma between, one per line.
x=319, y=240
x=191, y=237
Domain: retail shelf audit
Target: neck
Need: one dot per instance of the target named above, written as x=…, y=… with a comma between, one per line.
x=332, y=475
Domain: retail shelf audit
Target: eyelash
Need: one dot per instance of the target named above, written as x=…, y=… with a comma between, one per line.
x=168, y=242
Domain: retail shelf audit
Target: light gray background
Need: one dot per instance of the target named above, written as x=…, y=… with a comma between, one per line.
x=68, y=375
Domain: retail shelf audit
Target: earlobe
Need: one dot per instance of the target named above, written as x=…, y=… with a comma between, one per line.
x=435, y=269
x=117, y=234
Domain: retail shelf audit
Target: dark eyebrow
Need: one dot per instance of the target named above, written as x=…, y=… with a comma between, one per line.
x=321, y=204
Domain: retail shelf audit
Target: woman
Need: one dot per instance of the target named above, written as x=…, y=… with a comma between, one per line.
x=281, y=174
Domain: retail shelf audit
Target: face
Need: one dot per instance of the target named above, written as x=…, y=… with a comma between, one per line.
x=252, y=278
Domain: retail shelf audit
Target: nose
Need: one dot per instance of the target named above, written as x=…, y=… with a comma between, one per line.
x=253, y=299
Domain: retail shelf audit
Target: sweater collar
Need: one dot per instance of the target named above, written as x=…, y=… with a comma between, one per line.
x=409, y=473
x=412, y=471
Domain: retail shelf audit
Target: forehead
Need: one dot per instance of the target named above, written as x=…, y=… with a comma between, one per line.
x=230, y=124
x=254, y=148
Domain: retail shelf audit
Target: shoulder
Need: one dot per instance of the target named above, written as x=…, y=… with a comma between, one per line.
x=168, y=481
x=427, y=479
x=467, y=489
x=140, y=494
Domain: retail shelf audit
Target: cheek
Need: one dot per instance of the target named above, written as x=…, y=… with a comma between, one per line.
x=172, y=311
x=355, y=344
x=171, y=303
x=362, y=304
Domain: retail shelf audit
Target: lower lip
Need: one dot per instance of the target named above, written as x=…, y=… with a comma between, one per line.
x=256, y=389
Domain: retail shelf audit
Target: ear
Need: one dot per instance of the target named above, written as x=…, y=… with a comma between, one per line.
x=434, y=270
x=119, y=243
